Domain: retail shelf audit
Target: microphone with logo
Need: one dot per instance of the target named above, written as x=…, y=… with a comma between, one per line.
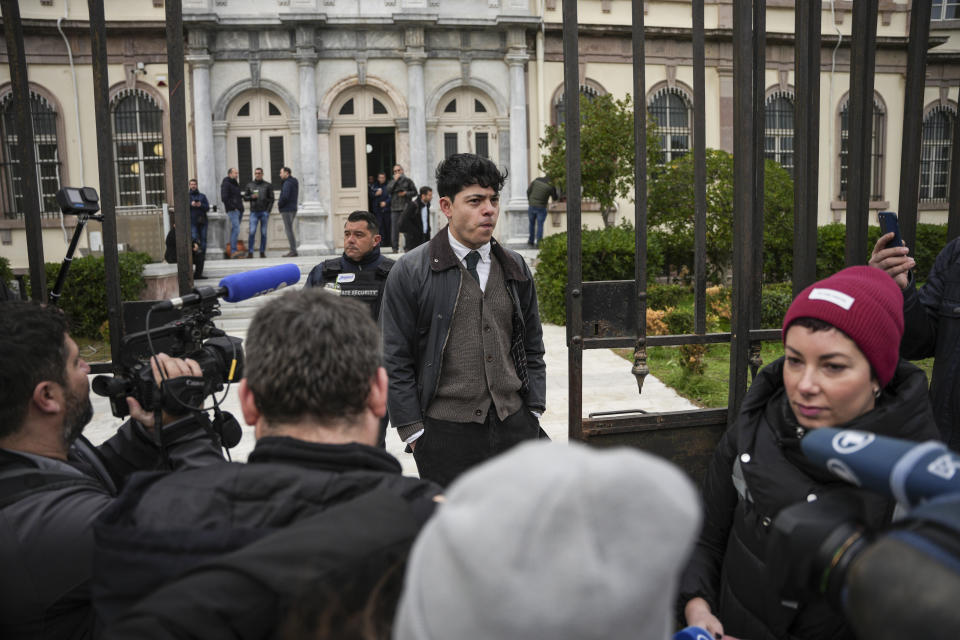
x=909, y=472
x=238, y=287
x=893, y=581
x=191, y=334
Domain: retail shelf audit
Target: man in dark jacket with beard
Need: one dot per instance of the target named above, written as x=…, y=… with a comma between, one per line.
x=315, y=393
x=260, y=194
x=53, y=482
x=232, y=200
x=931, y=317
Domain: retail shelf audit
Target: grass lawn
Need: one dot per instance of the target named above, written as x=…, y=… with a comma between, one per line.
x=710, y=390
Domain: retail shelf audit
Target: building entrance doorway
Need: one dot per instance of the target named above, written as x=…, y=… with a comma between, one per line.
x=362, y=144
x=258, y=135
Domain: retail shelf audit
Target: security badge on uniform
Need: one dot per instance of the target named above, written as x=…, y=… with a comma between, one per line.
x=347, y=279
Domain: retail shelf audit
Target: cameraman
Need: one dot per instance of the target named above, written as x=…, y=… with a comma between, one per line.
x=53, y=481
x=315, y=393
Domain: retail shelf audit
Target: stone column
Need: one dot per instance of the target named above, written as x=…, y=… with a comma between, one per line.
x=517, y=204
x=220, y=172
x=312, y=220
x=200, y=62
x=415, y=56
x=325, y=187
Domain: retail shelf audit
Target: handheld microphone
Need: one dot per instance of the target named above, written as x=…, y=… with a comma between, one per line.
x=910, y=472
x=238, y=286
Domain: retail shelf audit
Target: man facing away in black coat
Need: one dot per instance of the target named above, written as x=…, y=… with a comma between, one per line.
x=314, y=392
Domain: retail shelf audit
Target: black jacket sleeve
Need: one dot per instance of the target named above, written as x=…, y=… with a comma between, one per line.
x=701, y=577
x=920, y=308
x=399, y=311
x=533, y=342
x=133, y=448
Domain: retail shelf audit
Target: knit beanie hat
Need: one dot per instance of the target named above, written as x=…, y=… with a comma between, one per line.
x=553, y=541
x=863, y=302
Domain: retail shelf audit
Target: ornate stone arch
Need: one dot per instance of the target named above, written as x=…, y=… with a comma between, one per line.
x=482, y=86
x=323, y=109
x=234, y=90
x=675, y=85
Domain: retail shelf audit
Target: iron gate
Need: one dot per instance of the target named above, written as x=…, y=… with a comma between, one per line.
x=609, y=314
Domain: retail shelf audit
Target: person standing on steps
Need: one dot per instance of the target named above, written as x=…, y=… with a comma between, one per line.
x=260, y=195
x=287, y=206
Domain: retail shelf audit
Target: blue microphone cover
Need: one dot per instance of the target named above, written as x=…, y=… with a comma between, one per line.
x=910, y=472
x=693, y=633
x=241, y=286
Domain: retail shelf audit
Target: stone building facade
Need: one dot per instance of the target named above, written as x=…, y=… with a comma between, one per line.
x=341, y=90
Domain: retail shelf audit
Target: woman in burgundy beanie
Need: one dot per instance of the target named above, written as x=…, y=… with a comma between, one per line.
x=841, y=368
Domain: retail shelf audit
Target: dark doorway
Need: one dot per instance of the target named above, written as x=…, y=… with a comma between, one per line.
x=381, y=151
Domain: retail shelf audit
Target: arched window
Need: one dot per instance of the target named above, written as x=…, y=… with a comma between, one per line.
x=45, y=148
x=559, y=107
x=138, y=149
x=935, y=154
x=670, y=109
x=876, y=150
x=778, y=145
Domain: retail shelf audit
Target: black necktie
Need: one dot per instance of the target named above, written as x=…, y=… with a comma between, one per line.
x=472, y=259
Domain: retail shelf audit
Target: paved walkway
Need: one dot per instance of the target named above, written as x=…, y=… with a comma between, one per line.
x=607, y=385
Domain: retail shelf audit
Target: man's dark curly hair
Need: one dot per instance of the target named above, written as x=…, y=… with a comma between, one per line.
x=33, y=348
x=462, y=170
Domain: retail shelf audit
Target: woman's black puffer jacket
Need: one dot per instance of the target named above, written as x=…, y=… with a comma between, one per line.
x=756, y=471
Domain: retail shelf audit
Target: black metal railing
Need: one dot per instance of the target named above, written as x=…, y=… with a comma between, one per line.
x=784, y=127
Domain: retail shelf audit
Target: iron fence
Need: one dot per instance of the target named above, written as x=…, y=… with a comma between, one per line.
x=784, y=127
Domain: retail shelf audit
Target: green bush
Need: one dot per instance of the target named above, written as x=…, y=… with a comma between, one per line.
x=679, y=320
x=607, y=255
x=84, y=295
x=775, y=299
x=931, y=239
x=832, y=242
x=665, y=296
x=6, y=273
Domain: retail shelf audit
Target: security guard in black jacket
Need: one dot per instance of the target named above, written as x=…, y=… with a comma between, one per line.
x=359, y=273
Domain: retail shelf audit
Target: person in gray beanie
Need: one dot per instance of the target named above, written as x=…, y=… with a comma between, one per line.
x=553, y=541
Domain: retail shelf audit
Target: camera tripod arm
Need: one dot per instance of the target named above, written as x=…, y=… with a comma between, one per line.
x=65, y=266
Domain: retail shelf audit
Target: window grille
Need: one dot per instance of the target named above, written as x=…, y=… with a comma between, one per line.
x=944, y=10
x=876, y=151
x=483, y=144
x=138, y=149
x=670, y=109
x=46, y=150
x=935, y=154
x=779, y=130
x=559, y=107
x=449, y=144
